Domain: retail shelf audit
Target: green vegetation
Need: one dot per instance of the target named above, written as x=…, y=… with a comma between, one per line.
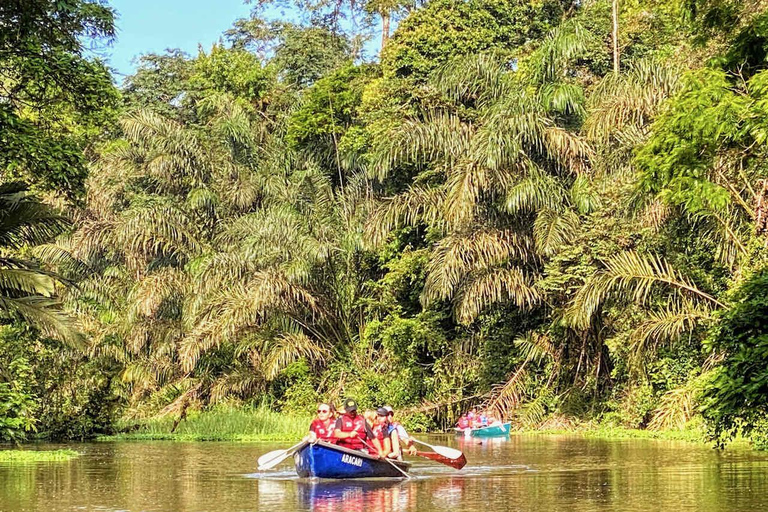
x=552, y=209
x=220, y=424
x=27, y=456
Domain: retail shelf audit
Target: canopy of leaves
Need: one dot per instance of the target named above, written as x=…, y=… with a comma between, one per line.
x=447, y=28
x=736, y=398
x=53, y=99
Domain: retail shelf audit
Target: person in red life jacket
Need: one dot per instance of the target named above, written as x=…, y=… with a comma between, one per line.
x=463, y=422
x=321, y=428
x=399, y=436
x=381, y=433
x=351, y=430
x=472, y=418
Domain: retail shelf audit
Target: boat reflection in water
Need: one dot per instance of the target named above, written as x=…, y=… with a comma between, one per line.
x=372, y=495
x=354, y=495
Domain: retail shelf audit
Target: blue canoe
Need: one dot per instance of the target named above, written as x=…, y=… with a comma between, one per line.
x=325, y=460
x=490, y=431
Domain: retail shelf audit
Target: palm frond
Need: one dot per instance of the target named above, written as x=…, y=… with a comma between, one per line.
x=44, y=314
x=507, y=397
x=631, y=276
x=536, y=347
x=477, y=79
x=535, y=192
x=457, y=255
x=440, y=136
x=668, y=324
x=242, y=307
x=558, y=49
x=417, y=205
x=552, y=230
x=630, y=101
x=290, y=347
x=492, y=287
x=675, y=409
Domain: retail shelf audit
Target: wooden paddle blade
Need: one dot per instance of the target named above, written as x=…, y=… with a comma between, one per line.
x=457, y=463
x=450, y=453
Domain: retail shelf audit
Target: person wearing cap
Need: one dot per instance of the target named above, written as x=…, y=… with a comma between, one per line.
x=381, y=433
x=323, y=425
x=351, y=430
x=399, y=436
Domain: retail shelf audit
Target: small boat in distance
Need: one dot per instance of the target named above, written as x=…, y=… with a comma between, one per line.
x=499, y=429
x=326, y=460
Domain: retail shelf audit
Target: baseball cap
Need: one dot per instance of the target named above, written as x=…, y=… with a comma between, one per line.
x=350, y=405
x=388, y=409
x=382, y=411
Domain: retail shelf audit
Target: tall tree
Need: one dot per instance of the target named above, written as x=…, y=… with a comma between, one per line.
x=54, y=99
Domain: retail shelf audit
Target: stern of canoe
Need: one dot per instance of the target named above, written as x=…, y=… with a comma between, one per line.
x=492, y=431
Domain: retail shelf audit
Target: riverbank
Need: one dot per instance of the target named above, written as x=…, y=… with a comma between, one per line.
x=262, y=424
x=241, y=425
x=24, y=456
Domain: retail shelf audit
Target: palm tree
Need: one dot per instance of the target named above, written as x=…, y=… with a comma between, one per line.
x=27, y=292
x=480, y=181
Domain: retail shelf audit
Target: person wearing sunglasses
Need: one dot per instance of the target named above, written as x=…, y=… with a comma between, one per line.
x=321, y=428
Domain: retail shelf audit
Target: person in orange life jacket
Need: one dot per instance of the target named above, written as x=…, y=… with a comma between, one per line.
x=381, y=438
x=399, y=436
x=351, y=429
x=323, y=425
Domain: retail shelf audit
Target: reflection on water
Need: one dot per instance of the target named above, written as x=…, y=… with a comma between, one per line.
x=522, y=473
x=373, y=496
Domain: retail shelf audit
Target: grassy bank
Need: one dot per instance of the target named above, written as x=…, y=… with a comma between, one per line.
x=23, y=456
x=244, y=425
x=611, y=432
x=263, y=424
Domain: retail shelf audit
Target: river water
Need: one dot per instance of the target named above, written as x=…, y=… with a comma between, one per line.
x=522, y=473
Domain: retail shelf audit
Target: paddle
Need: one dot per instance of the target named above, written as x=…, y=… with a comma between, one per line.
x=449, y=453
x=272, y=459
x=454, y=463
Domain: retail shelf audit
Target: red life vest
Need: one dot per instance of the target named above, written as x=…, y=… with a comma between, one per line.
x=463, y=422
x=381, y=431
x=323, y=429
x=346, y=423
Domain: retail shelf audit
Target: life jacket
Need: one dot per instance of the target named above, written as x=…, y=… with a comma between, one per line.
x=381, y=431
x=323, y=429
x=463, y=422
x=347, y=424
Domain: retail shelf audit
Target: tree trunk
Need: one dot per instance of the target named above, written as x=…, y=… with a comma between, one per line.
x=615, y=17
x=384, y=28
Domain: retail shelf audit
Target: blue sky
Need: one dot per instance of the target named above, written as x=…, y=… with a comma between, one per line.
x=151, y=26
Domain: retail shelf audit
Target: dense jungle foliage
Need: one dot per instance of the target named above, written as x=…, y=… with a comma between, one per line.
x=557, y=209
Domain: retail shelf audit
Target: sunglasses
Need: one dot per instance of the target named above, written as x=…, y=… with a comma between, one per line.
x=322, y=410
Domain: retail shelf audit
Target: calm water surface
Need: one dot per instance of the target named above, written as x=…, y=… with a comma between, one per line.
x=523, y=473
